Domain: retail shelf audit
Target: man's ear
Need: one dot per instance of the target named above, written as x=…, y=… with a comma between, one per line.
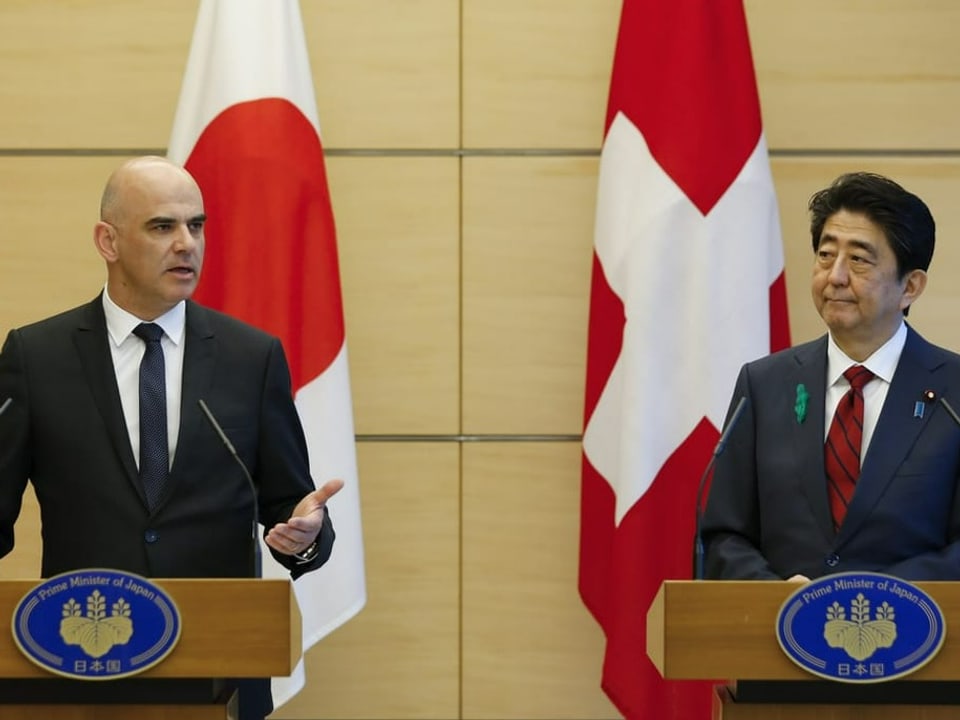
x=913, y=287
x=105, y=240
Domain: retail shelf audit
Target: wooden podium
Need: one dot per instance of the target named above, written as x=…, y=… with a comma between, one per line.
x=230, y=628
x=725, y=631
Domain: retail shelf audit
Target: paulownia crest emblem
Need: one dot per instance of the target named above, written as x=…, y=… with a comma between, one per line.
x=860, y=637
x=95, y=632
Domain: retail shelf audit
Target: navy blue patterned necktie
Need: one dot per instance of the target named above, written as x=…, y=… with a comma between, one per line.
x=154, y=458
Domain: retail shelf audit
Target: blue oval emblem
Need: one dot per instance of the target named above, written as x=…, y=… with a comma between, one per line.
x=860, y=627
x=96, y=624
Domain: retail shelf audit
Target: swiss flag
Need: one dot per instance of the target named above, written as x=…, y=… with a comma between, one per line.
x=687, y=286
x=247, y=130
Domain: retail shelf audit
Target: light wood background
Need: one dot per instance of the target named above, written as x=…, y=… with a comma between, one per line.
x=462, y=140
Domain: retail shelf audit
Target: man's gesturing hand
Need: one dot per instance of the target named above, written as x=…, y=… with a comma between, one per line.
x=299, y=532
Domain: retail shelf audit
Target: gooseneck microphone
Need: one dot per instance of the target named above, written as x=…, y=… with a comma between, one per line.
x=717, y=451
x=254, y=534
x=943, y=401
x=6, y=404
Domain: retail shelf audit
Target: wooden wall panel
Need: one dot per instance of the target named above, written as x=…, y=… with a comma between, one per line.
x=397, y=228
x=850, y=74
x=530, y=648
x=936, y=180
x=49, y=206
x=527, y=248
x=465, y=320
x=91, y=74
x=536, y=72
x=386, y=72
x=399, y=658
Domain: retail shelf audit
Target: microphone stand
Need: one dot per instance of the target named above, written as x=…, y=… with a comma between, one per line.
x=698, y=551
x=254, y=534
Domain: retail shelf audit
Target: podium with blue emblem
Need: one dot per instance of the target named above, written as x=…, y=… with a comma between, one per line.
x=107, y=645
x=844, y=647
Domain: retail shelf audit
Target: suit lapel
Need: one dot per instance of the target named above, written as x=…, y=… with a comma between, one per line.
x=198, y=365
x=895, y=433
x=92, y=343
x=808, y=435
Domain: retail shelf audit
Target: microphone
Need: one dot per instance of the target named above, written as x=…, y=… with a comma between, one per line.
x=6, y=403
x=254, y=535
x=943, y=401
x=721, y=445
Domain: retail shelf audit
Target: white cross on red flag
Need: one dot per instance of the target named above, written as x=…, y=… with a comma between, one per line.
x=687, y=286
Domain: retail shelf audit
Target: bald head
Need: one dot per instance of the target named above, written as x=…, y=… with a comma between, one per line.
x=127, y=183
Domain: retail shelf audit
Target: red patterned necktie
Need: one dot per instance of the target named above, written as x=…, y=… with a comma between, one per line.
x=842, y=449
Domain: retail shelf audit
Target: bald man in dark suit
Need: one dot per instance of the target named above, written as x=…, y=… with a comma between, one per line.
x=73, y=428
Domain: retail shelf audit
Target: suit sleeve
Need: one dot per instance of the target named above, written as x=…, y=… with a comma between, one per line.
x=943, y=565
x=14, y=463
x=282, y=472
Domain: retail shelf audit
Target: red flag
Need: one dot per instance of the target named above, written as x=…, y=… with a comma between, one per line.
x=247, y=129
x=687, y=286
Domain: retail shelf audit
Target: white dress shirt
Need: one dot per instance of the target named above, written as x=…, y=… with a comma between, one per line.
x=882, y=363
x=127, y=351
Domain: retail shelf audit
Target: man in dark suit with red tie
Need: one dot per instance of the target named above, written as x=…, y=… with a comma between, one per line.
x=93, y=409
x=846, y=457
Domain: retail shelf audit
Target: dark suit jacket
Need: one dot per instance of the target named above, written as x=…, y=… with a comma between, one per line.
x=65, y=432
x=767, y=514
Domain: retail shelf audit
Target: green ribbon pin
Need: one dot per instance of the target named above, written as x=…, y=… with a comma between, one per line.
x=800, y=407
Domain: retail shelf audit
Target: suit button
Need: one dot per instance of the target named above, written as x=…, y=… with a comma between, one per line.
x=151, y=536
x=832, y=560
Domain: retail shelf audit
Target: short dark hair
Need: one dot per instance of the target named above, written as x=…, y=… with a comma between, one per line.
x=904, y=218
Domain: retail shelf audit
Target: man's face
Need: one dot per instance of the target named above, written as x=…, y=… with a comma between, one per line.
x=855, y=286
x=157, y=240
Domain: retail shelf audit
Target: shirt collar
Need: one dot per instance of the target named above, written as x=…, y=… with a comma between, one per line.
x=120, y=323
x=882, y=363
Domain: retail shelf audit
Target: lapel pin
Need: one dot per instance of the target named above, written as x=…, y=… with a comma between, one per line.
x=928, y=397
x=800, y=406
